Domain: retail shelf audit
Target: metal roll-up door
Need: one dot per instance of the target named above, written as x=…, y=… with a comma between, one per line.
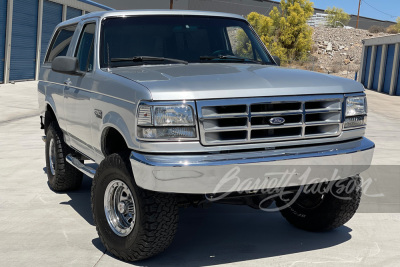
x=389, y=68
x=3, y=22
x=367, y=66
x=52, y=15
x=377, y=68
x=73, y=12
x=397, y=89
x=23, y=40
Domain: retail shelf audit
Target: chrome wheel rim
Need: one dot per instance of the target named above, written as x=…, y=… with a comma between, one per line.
x=119, y=208
x=52, y=156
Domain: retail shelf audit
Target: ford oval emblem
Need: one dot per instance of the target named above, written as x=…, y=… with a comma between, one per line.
x=277, y=121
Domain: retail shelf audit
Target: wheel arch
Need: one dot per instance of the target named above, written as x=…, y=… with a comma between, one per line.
x=50, y=115
x=114, y=126
x=113, y=141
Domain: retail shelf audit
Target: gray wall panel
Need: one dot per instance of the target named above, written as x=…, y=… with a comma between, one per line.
x=241, y=7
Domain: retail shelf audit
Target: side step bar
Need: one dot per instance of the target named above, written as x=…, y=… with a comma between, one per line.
x=82, y=167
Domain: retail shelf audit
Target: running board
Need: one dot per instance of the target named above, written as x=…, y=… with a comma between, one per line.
x=80, y=166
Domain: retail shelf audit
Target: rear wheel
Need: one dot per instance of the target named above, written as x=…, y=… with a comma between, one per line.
x=61, y=175
x=332, y=206
x=132, y=223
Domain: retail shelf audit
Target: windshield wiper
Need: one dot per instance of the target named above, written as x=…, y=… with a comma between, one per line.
x=148, y=58
x=228, y=57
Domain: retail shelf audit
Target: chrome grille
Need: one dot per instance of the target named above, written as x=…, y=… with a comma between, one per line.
x=247, y=120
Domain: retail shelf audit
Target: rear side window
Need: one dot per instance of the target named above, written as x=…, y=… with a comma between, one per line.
x=84, y=51
x=60, y=43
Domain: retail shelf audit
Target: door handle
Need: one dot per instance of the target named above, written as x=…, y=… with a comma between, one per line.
x=67, y=82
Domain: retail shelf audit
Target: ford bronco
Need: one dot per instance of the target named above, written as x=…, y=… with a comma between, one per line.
x=165, y=109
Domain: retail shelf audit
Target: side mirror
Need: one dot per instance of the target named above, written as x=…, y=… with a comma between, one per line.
x=67, y=65
x=277, y=60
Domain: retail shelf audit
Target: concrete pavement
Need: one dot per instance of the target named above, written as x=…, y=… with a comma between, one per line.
x=41, y=227
x=384, y=127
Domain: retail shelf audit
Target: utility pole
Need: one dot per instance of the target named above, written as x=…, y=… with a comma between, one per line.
x=358, y=15
x=171, y=4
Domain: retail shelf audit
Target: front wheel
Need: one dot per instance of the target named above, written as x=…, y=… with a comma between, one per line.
x=132, y=223
x=322, y=207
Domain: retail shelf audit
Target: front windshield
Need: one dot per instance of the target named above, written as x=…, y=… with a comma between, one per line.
x=193, y=39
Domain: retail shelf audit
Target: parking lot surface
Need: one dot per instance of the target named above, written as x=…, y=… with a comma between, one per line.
x=39, y=227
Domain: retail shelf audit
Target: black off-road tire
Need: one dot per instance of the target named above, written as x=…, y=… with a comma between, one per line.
x=156, y=214
x=336, y=208
x=66, y=177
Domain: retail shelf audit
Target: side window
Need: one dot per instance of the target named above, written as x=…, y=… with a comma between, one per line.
x=84, y=51
x=60, y=43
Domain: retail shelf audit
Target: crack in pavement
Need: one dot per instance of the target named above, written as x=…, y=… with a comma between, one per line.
x=104, y=253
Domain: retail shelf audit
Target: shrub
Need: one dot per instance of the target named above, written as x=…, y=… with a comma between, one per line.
x=376, y=29
x=286, y=32
x=292, y=35
x=392, y=29
x=337, y=15
x=336, y=68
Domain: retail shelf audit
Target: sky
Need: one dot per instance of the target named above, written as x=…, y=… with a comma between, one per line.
x=377, y=9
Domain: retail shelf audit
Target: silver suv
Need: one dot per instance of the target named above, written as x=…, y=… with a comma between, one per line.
x=180, y=108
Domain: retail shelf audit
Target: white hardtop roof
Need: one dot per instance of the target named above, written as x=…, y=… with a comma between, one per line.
x=147, y=12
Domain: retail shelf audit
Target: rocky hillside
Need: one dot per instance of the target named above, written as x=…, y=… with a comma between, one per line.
x=338, y=51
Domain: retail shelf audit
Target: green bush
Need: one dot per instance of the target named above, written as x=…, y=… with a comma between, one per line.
x=337, y=17
x=394, y=29
x=285, y=32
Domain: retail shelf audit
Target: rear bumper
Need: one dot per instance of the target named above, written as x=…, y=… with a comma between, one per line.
x=233, y=172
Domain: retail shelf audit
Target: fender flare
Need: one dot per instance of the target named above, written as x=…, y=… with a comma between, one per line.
x=113, y=120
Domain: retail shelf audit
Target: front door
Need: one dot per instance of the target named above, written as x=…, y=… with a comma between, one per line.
x=78, y=90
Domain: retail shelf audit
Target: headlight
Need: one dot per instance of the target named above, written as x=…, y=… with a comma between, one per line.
x=356, y=112
x=356, y=106
x=166, y=122
x=173, y=116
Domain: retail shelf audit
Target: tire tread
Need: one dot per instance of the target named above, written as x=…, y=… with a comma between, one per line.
x=333, y=214
x=67, y=177
x=160, y=217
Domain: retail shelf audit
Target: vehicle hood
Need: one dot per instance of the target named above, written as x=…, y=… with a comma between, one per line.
x=221, y=80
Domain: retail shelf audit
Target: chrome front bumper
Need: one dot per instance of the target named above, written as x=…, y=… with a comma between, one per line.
x=239, y=171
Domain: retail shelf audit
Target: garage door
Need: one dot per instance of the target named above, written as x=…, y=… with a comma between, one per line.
x=389, y=68
x=3, y=20
x=52, y=15
x=397, y=91
x=377, y=68
x=23, y=40
x=367, y=65
x=73, y=12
